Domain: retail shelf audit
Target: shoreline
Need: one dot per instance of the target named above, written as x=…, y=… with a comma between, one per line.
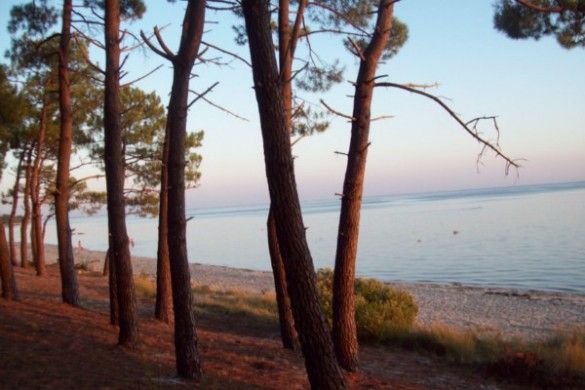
x=513, y=312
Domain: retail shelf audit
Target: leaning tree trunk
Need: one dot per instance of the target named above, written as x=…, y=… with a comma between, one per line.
x=69, y=288
x=344, y=325
x=287, y=43
x=35, y=196
x=6, y=270
x=322, y=368
x=26, y=216
x=288, y=333
x=114, y=167
x=12, y=217
x=164, y=299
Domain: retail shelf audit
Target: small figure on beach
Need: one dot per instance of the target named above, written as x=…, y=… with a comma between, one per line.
x=79, y=246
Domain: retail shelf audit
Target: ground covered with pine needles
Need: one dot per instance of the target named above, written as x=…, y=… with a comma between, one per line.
x=46, y=344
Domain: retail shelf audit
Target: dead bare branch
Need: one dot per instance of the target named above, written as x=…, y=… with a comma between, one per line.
x=336, y=112
x=485, y=144
x=358, y=50
x=201, y=95
x=141, y=77
x=154, y=48
x=228, y=53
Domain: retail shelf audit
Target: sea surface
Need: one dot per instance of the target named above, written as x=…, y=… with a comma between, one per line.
x=527, y=237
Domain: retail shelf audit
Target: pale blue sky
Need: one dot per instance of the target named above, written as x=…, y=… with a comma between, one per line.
x=536, y=88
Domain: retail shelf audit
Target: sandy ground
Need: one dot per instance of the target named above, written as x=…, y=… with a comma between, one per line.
x=515, y=313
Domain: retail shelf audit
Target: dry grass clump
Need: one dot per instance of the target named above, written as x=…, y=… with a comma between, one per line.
x=145, y=287
x=241, y=303
x=556, y=362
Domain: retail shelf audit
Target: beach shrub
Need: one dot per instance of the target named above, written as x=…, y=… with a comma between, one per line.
x=145, y=287
x=381, y=310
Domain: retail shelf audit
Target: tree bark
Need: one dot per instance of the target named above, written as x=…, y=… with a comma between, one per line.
x=286, y=44
x=322, y=368
x=35, y=196
x=69, y=288
x=26, y=216
x=344, y=325
x=12, y=217
x=288, y=333
x=186, y=350
x=106, y=269
x=164, y=299
x=114, y=167
x=113, y=289
x=6, y=270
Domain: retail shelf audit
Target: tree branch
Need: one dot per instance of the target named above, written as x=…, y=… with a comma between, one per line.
x=485, y=144
x=154, y=48
x=539, y=8
x=351, y=118
x=228, y=53
x=141, y=77
x=202, y=95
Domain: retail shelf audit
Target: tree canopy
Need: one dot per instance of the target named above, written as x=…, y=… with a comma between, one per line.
x=523, y=19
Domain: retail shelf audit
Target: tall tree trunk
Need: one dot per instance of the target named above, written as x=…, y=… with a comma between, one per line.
x=322, y=368
x=186, y=350
x=69, y=288
x=288, y=333
x=6, y=270
x=286, y=44
x=164, y=299
x=344, y=326
x=114, y=167
x=12, y=217
x=26, y=216
x=35, y=196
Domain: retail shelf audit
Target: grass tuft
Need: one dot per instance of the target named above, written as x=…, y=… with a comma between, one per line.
x=145, y=287
x=238, y=303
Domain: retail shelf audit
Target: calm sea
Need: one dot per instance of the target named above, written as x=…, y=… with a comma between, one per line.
x=529, y=237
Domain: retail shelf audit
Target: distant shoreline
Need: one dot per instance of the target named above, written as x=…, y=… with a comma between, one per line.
x=526, y=314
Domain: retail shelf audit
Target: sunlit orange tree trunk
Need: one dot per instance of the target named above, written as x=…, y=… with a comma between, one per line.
x=12, y=217
x=322, y=368
x=114, y=167
x=6, y=270
x=69, y=288
x=186, y=351
x=344, y=325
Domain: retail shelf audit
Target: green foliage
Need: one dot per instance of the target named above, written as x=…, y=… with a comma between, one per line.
x=320, y=79
x=143, y=122
x=308, y=121
x=11, y=114
x=381, y=310
x=36, y=17
x=564, y=19
x=343, y=12
x=129, y=9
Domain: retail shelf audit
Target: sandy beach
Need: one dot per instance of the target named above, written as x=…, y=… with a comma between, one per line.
x=525, y=314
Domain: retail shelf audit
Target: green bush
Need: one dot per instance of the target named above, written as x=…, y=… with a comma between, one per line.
x=381, y=310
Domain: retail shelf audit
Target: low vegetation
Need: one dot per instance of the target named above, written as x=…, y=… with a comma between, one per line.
x=385, y=316
x=381, y=310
